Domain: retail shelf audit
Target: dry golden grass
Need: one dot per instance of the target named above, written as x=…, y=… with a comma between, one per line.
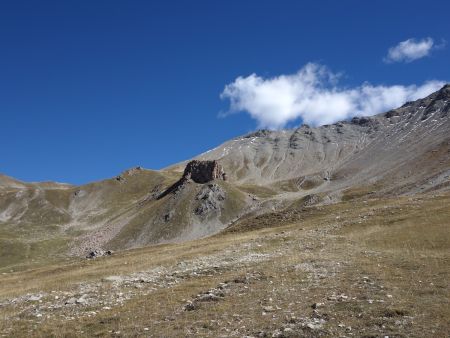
x=380, y=267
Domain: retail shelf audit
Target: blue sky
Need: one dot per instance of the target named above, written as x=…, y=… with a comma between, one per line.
x=90, y=88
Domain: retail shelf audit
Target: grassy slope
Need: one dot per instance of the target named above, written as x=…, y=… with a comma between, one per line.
x=148, y=225
x=380, y=267
x=41, y=238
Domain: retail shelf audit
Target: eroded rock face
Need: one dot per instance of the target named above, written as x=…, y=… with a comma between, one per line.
x=210, y=199
x=198, y=172
x=204, y=171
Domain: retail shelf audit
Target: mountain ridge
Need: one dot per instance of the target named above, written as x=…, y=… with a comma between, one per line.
x=404, y=151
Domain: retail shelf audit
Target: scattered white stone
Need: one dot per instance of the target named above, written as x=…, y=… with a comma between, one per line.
x=34, y=298
x=313, y=326
x=113, y=279
x=268, y=309
x=82, y=299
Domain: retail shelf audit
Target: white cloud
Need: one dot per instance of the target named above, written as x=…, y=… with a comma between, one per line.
x=410, y=50
x=313, y=94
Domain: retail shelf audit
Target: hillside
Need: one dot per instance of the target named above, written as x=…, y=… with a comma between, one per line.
x=349, y=153
x=362, y=268
x=405, y=151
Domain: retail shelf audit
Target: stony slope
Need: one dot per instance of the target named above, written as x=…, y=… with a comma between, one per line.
x=349, y=153
x=361, y=268
x=403, y=151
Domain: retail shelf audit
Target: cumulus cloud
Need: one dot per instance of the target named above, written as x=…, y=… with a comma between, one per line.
x=313, y=94
x=410, y=50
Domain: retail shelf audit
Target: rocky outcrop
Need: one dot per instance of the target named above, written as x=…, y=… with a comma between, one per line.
x=203, y=171
x=259, y=133
x=210, y=199
x=129, y=172
x=199, y=172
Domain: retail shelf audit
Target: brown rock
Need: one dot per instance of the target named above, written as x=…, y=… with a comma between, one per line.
x=203, y=171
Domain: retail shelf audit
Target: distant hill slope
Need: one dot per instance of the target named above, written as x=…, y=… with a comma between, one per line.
x=403, y=151
x=9, y=182
x=365, y=149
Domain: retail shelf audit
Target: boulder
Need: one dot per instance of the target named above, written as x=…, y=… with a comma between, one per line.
x=98, y=253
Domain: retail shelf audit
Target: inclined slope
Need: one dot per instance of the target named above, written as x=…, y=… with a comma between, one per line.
x=403, y=151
